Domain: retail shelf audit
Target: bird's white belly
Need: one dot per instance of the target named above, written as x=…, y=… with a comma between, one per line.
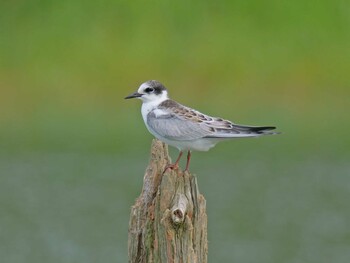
x=203, y=144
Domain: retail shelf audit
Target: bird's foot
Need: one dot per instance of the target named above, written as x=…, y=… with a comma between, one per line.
x=174, y=166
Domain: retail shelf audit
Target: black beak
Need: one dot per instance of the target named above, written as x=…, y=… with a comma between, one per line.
x=133, y=95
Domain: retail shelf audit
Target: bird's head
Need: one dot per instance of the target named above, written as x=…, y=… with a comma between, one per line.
x=150, y=91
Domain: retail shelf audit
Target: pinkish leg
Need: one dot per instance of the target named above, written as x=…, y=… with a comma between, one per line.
x=175, y=165
x=188, y=160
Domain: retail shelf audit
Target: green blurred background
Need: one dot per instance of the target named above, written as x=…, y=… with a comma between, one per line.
x=73, y=152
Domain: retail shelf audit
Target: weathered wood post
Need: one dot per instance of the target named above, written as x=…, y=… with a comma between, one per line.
x=168, y=222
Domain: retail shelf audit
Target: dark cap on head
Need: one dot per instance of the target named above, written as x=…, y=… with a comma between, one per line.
x=158, y=87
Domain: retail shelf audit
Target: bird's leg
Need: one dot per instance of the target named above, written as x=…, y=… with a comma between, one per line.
x=175, y=165
x=188, y=160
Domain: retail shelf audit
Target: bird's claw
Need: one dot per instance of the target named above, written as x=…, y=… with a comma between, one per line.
x=171, y=167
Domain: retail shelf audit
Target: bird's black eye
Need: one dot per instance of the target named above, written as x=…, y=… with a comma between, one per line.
x=149, y=90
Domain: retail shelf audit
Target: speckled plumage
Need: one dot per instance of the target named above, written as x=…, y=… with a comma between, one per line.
x=186, y=128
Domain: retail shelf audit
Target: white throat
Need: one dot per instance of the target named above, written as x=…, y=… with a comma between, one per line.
x=149, y=104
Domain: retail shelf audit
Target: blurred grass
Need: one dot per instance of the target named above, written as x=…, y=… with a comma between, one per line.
x=71, y=147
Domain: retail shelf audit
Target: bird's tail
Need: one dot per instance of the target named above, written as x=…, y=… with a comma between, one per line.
x=241, y=131
x=259, y=130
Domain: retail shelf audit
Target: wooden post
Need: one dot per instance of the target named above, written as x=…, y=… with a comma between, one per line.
x=168, y=223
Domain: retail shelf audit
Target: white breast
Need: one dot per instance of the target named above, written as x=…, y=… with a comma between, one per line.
x=146, y=108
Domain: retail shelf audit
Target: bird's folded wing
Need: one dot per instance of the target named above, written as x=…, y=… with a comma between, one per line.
x=176, y=127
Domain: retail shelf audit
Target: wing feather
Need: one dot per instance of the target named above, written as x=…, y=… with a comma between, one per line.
x=174, y=127
x=177, y=122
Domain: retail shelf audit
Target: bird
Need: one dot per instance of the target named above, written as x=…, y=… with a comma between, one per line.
x=185, y=128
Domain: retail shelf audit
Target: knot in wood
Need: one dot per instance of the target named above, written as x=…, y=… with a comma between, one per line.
x=179, y=209
x=178, y=215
